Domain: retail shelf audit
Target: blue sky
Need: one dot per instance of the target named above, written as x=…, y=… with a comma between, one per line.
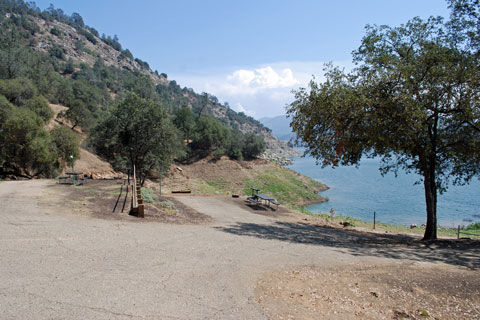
x=251, y=54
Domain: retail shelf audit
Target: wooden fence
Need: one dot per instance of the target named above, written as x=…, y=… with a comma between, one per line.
x=138, y=209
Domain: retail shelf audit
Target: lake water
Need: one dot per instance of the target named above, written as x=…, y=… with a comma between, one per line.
x=396, y=200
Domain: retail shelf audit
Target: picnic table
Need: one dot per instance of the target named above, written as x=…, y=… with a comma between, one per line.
x=268, y=200
x=72, y=178
x=261, y=199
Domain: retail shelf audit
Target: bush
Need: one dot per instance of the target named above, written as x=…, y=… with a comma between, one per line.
x=39, y=105
x=27, y=149
x=67, y=144
x=149, y=195
x=254, y=146
x=55, y=31
x=90, y=37
x=473, y=226
x=209, y=136
x=18, y=90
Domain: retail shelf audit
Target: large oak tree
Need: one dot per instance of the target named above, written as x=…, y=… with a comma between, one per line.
x=137, y=132
x=412, y=100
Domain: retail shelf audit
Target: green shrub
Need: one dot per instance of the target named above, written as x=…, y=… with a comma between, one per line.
x=67, y=143
x=149, y=195
x=39, y=105
x=55, y=31
x=473, y=226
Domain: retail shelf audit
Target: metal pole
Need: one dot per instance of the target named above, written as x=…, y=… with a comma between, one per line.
x=72, y=162
x=458, y=232
x=374, y=214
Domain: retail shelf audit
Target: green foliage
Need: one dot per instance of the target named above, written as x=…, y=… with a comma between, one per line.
x=125, y=54
x=137, y=132
x=143, y=64
x=39, y=105
x=69, y=67
x=237, y=145
x=210, y=136
x=14, y=55
x=112, y=42
x=148, y=195
x=90, y=37
x=286, y=186
x=79, y=45
x=67, y=144
x=87, y=93
x=473, y=226
x=17, y=91
x=412, y=101
x=55, y=31
x=27, y=149
x=79, y=114
x=57, y=52
x=253, y=147
x=184, y=120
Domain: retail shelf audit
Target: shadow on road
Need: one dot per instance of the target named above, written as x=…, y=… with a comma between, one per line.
x=460, y=253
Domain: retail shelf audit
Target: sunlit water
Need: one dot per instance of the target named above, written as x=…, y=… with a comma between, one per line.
x=396, y=200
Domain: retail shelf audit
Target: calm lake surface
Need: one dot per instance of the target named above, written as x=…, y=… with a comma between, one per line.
x=396, y=200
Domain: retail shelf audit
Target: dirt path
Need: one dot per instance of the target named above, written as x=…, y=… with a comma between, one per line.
x=55, y=264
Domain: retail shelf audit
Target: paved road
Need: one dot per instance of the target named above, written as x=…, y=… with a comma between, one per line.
x=56, y=265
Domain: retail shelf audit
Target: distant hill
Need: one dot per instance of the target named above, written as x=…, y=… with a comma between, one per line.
x=280, y=127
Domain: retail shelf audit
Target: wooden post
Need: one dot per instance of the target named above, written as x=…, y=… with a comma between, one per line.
x=458, y=232
x=374, y=214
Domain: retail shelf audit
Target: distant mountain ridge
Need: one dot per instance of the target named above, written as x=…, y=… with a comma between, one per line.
x=280, y=126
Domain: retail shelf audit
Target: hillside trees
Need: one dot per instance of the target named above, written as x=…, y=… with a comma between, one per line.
x=26, y=148
x=137, y=132
x=411, y=101
x=32, y=78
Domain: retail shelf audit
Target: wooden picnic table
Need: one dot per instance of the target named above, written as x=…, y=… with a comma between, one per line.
x=259, y=198
x=75, y=177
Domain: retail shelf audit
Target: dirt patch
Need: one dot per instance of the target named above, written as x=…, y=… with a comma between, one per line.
x=400, y=291
x=108, y=199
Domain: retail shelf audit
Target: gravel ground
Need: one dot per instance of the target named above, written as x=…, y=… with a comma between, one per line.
x=57, y=264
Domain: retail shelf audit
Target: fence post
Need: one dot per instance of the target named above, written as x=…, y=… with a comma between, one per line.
x=374, y=214
x=458, y=232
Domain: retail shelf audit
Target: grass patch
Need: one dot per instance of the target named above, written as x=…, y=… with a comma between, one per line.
x=168, y=207
x=92, y=191
x=390, y=228
x=287, y=186
x=211, y=187
x=148, y=195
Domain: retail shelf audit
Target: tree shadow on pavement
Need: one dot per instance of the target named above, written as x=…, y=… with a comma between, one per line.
x=455, y=252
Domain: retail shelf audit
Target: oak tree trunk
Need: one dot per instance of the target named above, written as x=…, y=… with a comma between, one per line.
x=431, y=204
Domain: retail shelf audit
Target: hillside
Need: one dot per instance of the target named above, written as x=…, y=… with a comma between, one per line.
x=76, y=46
x=225, y=176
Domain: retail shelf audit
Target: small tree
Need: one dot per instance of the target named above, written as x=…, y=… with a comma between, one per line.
x=78, y=114
x=137, y=132
x=413, y=101
x=184, y=119
x=210, y=137
x=67, y=144
x=253, y=147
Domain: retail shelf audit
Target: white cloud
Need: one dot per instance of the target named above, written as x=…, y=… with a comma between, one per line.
x=260, y=91
x=248, y=82
x=240, y=108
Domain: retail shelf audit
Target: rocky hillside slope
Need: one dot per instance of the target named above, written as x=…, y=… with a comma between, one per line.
x=82, y=46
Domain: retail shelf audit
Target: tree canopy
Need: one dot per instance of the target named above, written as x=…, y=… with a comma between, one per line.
x=412, y=100
x=137, y=132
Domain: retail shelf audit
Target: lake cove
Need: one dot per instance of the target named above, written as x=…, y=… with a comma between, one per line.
x=358, y=192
